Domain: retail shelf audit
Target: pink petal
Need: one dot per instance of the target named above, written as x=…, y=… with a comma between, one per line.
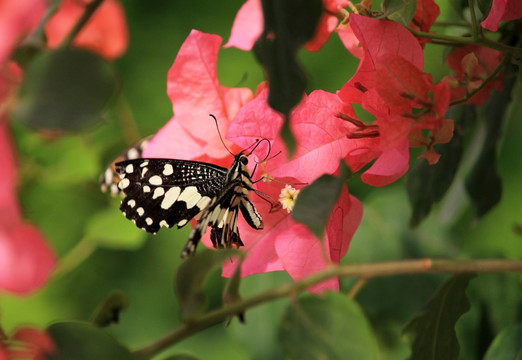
x=390, y=166
x=327, y=24
x=377, y=38
x=195, y=92
x=301, y=254
x=8, y=179
x=502, y=10
x=248, y=26
x=350, y=41
x=344, y=221
x=26, y=261
x=17, y=19
x=172, y=141
x=41, y=342
x=321, y=137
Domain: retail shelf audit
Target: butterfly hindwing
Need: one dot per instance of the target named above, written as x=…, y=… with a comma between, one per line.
x=109, y=179
x=167, y=192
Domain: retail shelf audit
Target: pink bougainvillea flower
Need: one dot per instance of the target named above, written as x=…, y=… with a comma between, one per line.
x=17, y=18
x=27, y=343
x=248, y=25
x=25, y=258
x=502, y=10
x=472, y=64
x=283, y=244
x=389, y=83
x=105, y=33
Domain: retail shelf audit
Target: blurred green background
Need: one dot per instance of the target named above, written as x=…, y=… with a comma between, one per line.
x=60, y=193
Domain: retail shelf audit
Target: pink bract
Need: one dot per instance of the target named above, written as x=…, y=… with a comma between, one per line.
x=106, y=32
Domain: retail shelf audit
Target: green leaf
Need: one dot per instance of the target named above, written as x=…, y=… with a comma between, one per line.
x=288, y=137
x=82, y=341
x=507, y=345
x=401, y=11
x=65, y=90
x=110, y=229
x=191, y=277
x=315, y=202
x=484, y=184
x=108, y=311
x=427, y=184
x=287, y=26
x=328, y=327
x=434, y=331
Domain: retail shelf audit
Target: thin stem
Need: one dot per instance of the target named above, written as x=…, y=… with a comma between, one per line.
x=364, y=270
x=37, y=33
x=484, y=83
x=357, y=286
x=474, y=24
x=452, y=23
x=90, y=8
x=466, y=40
x=78, y=254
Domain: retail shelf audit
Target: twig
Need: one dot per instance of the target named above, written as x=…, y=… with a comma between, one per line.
x=364, y=270
x=89, y=10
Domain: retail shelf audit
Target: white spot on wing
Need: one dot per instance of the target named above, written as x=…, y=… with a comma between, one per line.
x=168, y=170
x=158, y=192
x=129, y=169
x=203, y=202
x=182, y=222
x=124, y=183
x=170, y=197
x=143, y=164
x=190, y=195
x=148, y=221
x=140, y=211
x=144, y=171
x=131, y=203
x=146, y=188
x=164, y=224
x=155, y=180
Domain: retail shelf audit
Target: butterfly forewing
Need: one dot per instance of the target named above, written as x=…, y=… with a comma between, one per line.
x=167, y=192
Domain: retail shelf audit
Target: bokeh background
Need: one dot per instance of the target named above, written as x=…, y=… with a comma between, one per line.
x=60, y=193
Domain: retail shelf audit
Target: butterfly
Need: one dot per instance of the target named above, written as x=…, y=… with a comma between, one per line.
x=170, y=192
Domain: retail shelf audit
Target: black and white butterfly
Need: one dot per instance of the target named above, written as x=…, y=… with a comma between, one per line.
x=169, y=192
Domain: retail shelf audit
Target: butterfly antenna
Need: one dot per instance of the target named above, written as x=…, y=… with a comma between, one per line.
x=258, y=142
x=220, y=136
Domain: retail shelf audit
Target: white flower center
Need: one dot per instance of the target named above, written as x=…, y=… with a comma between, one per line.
x=287, y=197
